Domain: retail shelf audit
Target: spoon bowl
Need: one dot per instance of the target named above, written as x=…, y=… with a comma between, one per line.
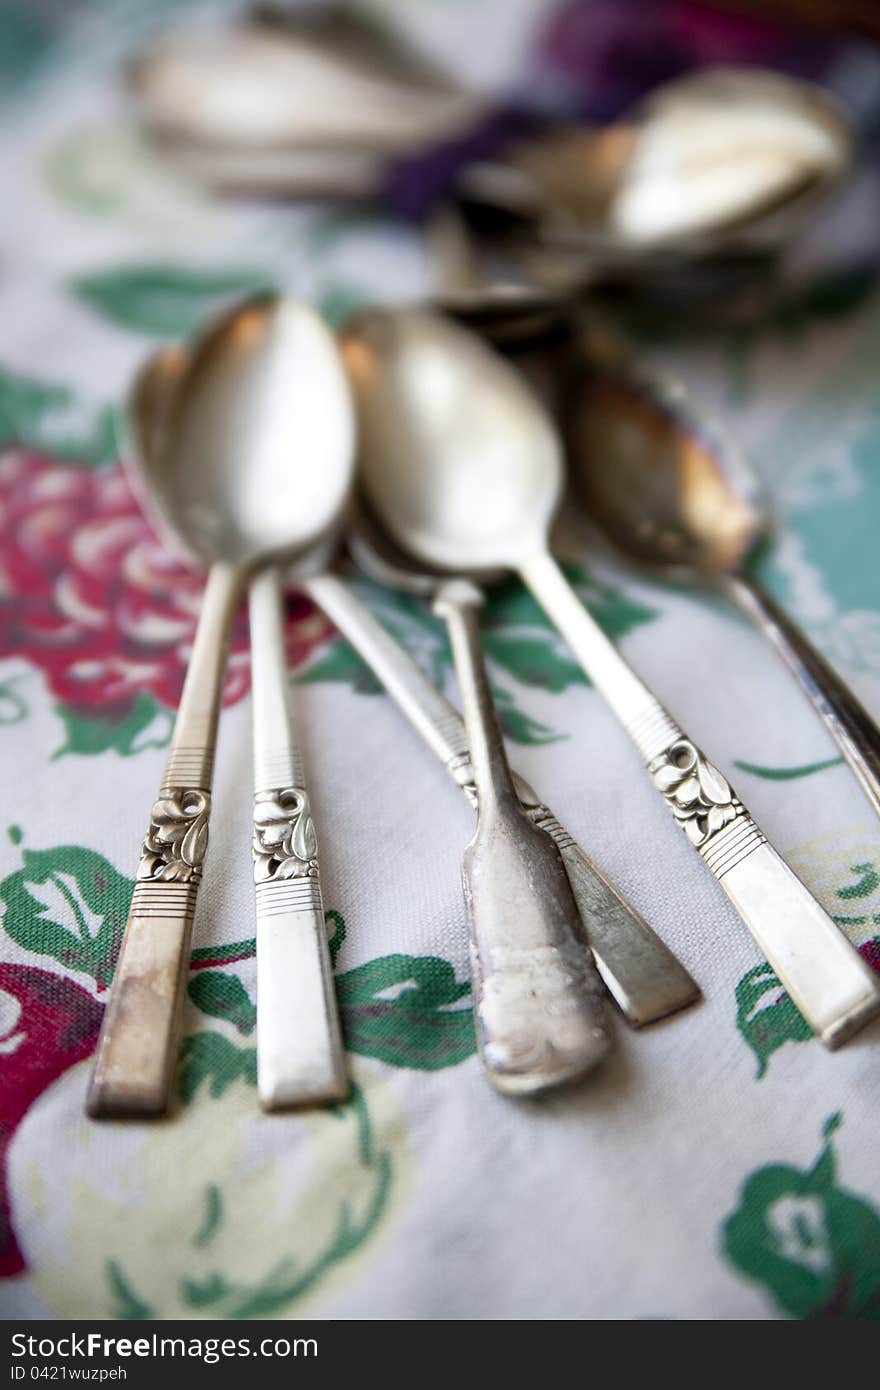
x=264, y=377
x=669, y=488
x=469, y=473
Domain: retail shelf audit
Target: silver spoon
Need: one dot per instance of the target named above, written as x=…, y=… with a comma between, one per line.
x=264, y=384
x=537, y=997
x=464, y=470
x=642, y=975
x=672, y=491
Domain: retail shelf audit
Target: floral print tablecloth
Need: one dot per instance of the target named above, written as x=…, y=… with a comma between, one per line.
x=721, y=1164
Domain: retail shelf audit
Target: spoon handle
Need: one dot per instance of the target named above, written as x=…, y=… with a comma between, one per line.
x=537, y=998
x=834, y=989
x=847, y=721
x=300, y=1059
x=644, y=978
x=137, y=1046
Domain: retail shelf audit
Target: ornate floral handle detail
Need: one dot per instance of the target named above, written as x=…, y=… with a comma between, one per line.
x=300, y=1058
x=834, y=989
x=137, y=1047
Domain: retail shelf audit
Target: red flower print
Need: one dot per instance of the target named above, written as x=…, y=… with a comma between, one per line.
x=89, y=595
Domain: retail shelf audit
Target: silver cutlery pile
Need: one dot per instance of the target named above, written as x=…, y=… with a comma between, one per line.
x=257, y=448
x=252, y=449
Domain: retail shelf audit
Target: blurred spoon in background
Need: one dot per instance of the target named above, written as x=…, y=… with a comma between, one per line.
x=672, y=491
x=716, y=169
x=721, y=159
x=307, y=103
x=464, y=470
x=264, y=384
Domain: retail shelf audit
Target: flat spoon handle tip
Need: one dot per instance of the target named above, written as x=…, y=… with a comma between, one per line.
x=538, y=1000
x=133, y=1072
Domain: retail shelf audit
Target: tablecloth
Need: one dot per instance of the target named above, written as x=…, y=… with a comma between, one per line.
x=721, y=1164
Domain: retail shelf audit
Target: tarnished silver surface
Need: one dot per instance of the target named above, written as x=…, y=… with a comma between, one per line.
x=300, y=1058
x=672, y=491
x=484, y=482
x=242, y=454
x=538, y=1001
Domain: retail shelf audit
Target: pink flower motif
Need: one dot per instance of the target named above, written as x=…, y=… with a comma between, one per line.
x=89, y=595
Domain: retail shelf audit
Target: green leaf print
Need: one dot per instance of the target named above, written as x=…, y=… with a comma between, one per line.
x=223, y=996
x=518, y=640
x=68, y=903
x=29, y=37
x=53, y=420
x=127, y=1305
x=335, y=933
x=409, y=1011
x=213, y=1217
x=144, y=724
x=165, y=300
x=867, y=882
x=516, y=724
x=339, y=662
x=208, y=1057
x=511, y=605
x=533, y=658
x=765, y=1016
x=210, y=1283
x=813, y=1245
x=786, y=774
